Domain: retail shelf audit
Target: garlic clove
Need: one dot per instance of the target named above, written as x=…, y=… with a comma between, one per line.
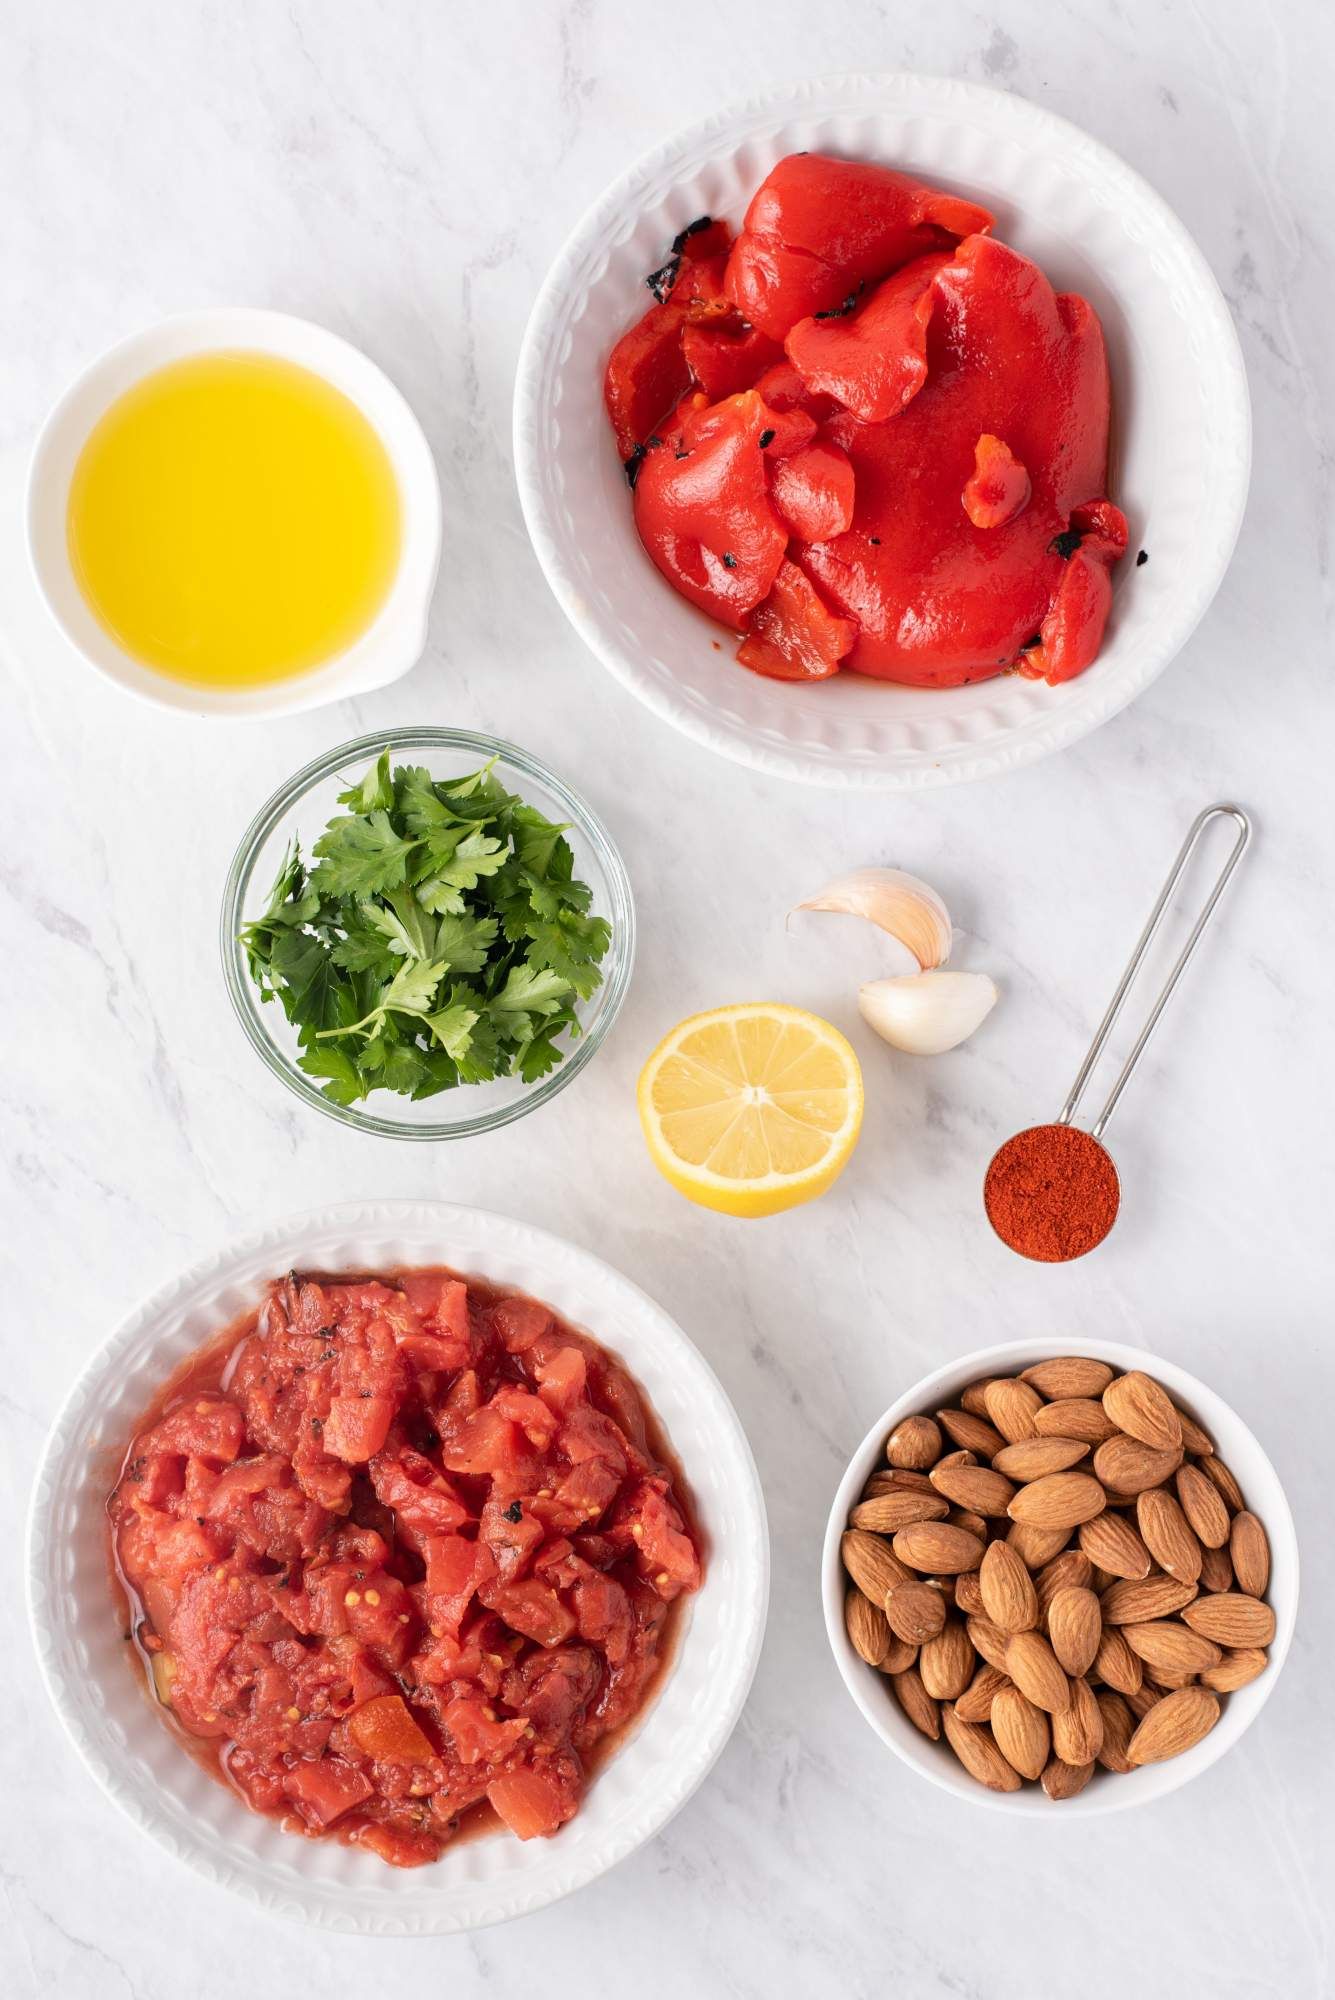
x=927, y=1013
x=900, y=904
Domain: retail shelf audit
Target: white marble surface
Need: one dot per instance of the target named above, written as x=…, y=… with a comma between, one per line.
x=404, y=173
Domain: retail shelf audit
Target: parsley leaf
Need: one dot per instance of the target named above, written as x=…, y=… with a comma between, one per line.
x=440, y=939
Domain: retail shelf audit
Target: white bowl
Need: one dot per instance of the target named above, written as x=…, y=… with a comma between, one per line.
x=1181, y=427
x=1106, y=1792
x=101, y=1700
x=391, y=644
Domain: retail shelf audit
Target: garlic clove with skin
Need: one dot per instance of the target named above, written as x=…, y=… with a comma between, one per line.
x=927, y=1013
x=902, y=905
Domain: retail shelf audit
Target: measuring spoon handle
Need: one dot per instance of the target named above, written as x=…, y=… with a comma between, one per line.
x=1096, y=1047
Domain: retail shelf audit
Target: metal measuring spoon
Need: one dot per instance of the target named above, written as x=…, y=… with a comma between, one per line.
x=1042, y=1167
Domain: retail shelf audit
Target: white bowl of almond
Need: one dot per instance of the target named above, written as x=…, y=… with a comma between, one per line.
x=1060, y=1577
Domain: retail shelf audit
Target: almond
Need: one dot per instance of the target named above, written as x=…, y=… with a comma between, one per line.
x=972, y=1524
x=1011, y=1405
x=1062, y=1780
x=1236, y=1669
x=1249, y=1549
x=1138, y=1406
x=972, y=1398
x=1224, y=1483
x=1126, y=1465
x=1077, y=1731
x=937, y=1546
x=1115, y=1662
x=886, y=1481
x=973, y=1745
x=866, y=1627
x=968, y=1591
x=1009, y=1597
x=1036, y=1546
x=1173, y=1725
x=1119, y=1726
x=900, y=1657
x=1202, y=1506
x=1169, y=1648
x=1128, y=1603
x=889, y=1512
x=1068, y=1375
x=1032, y=1665
x=1216, y=1570
x=1075, y=1417
x=914, y=1444
x=1232, y=1619
x=916, y=1703
x=1021, y=1731
x=1194, y=1439
x=973, y=1433
x=915, y=1612
x=1069, y=1571
x=946, y=1663
x=871, y=1564
x=974, y=1486
x=1165, y=1678
x=1167, y=1535
x=988, y=1641
x=1114, y=1545
x=1062, y=1500
x=975, y=1704
x=1142, y=1699
x=1075, y=1625
x=1036, y=1457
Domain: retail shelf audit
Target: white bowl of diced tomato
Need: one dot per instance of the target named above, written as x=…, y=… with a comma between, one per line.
x=521, y=1473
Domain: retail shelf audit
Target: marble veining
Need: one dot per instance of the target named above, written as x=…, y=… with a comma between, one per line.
x=405, y=175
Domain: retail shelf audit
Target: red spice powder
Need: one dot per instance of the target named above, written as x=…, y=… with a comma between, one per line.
x=1051, y=1193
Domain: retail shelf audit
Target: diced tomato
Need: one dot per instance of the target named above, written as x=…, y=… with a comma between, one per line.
x=793, y=636
x=479, y=1736
x=813, y=491
x=561, y=1378
x=531, y=1803
x=357, y=1427
x=326, y=1789
x=206, y=1426
x=664, y=1551
x=441, y=1617
x=384, y=1729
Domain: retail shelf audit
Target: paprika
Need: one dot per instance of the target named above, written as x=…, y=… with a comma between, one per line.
x=1052, y=1193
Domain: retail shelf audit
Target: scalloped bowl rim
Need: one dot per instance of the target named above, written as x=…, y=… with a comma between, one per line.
x=699, y=1699
x=1105, y=1794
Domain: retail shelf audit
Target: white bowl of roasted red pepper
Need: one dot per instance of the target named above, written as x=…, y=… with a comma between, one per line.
x=271, y=1647
x=898, y=521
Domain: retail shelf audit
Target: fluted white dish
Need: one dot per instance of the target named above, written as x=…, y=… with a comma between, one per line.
x=1106, y=1792
x=100, y=1698
x=1181, y=444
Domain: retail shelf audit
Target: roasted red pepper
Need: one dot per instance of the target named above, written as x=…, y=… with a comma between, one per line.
x=939, y=600
x=702, y=504
x=873, y=360
x=818, y=230
x=791, y=636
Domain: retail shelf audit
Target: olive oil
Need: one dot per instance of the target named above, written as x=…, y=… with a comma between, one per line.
x=234, y=520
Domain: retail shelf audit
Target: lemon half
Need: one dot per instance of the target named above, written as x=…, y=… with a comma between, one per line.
x=751, y=1109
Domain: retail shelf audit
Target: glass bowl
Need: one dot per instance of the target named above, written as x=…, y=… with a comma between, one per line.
x=301, y=809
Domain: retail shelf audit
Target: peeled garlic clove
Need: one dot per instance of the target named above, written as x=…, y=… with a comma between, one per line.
x=927, y=1012
x=899, y=903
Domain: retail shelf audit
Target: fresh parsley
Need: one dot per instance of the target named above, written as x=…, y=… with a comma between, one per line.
x=439, y=938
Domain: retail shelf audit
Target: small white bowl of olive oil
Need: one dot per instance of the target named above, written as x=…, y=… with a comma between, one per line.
x=235, y=512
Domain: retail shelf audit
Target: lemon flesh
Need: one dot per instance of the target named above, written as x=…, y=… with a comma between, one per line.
x=751, y=1109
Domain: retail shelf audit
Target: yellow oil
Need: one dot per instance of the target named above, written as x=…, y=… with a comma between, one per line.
x=234, y=520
